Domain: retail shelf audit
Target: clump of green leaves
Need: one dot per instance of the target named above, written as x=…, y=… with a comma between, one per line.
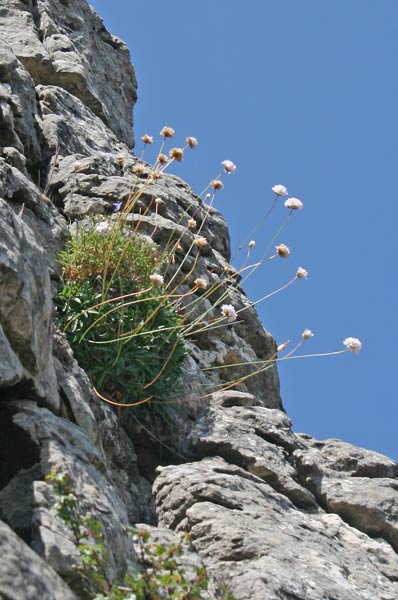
x=123, y=329
x=161, y=575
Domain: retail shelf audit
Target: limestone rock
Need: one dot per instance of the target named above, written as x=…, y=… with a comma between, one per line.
x=263, y=546
x=25, y=310
x=65, y=44
x=25, y=576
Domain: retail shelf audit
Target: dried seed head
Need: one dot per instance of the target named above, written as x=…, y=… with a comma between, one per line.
x=156, y=279
x=192, y=142
x=301, y=273
x=162, y=159
x=252, y=243
x=191, y=223
x=138, y=170
x=158, y=201
x=167, y=132
x=177, y=154
x=216, y=184
x=156, y=174
x=147, y=139
x=282, y=250
x=307, y=334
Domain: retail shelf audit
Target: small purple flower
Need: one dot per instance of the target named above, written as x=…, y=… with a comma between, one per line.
x=118, y=206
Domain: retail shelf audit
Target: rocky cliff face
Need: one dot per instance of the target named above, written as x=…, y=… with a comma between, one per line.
x=273, y=514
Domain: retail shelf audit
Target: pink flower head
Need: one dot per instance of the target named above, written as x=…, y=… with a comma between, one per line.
x=229, y=166
x=352, y=344
x=279, y=190
x=294, y=204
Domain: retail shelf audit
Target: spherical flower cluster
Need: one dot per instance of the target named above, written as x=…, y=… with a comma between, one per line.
x=156, y=279
x=156, y=174
x=293, y=204
x=282, y=250
x=147, y=139
x=200, y=283
x=229, y=312
x=279, y=190
x=252, y=243
x=103, y=227
x=191, y=223
x=229, y=166
x=216, y=184
x=200, y=241
x=352, y=344
x=162, y=159
x=301, y=273
x=158, y=201
x=138, y=170
x=177, y=154
x=167, y=132
x=192, y=141
x=307, y=334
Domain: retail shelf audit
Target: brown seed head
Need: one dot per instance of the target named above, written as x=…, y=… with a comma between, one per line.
x=162, y=159
x=167, y=132
x=282, y=250
x=147, y=139
x=177, y=154
x=217, y=184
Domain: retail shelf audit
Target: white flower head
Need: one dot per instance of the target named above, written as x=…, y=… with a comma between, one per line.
x=228, y=311
x=293, y=204
x=301, y=273
x=229, y=166
x=103, y=227
x=156, y=279
x=281, y=347
x=200, y=241
x=280, y=190
x=191, y=223
x=352, y=344
x=200, y=283
x=252, y=243
x=192, y=142
x=307, y=334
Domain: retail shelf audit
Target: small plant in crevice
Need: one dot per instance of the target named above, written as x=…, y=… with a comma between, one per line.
x=160, y=574
x=124, y=332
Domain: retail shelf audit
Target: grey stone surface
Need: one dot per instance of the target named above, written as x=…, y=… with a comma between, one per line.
x=65, y=449
x=65, y=44
x=256, y=540
x=24, y=575
x=25, y=309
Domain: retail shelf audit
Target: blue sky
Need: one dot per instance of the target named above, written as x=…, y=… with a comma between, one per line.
x=305, y=94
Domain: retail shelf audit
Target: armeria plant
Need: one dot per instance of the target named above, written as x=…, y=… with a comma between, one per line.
x=119, y=298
